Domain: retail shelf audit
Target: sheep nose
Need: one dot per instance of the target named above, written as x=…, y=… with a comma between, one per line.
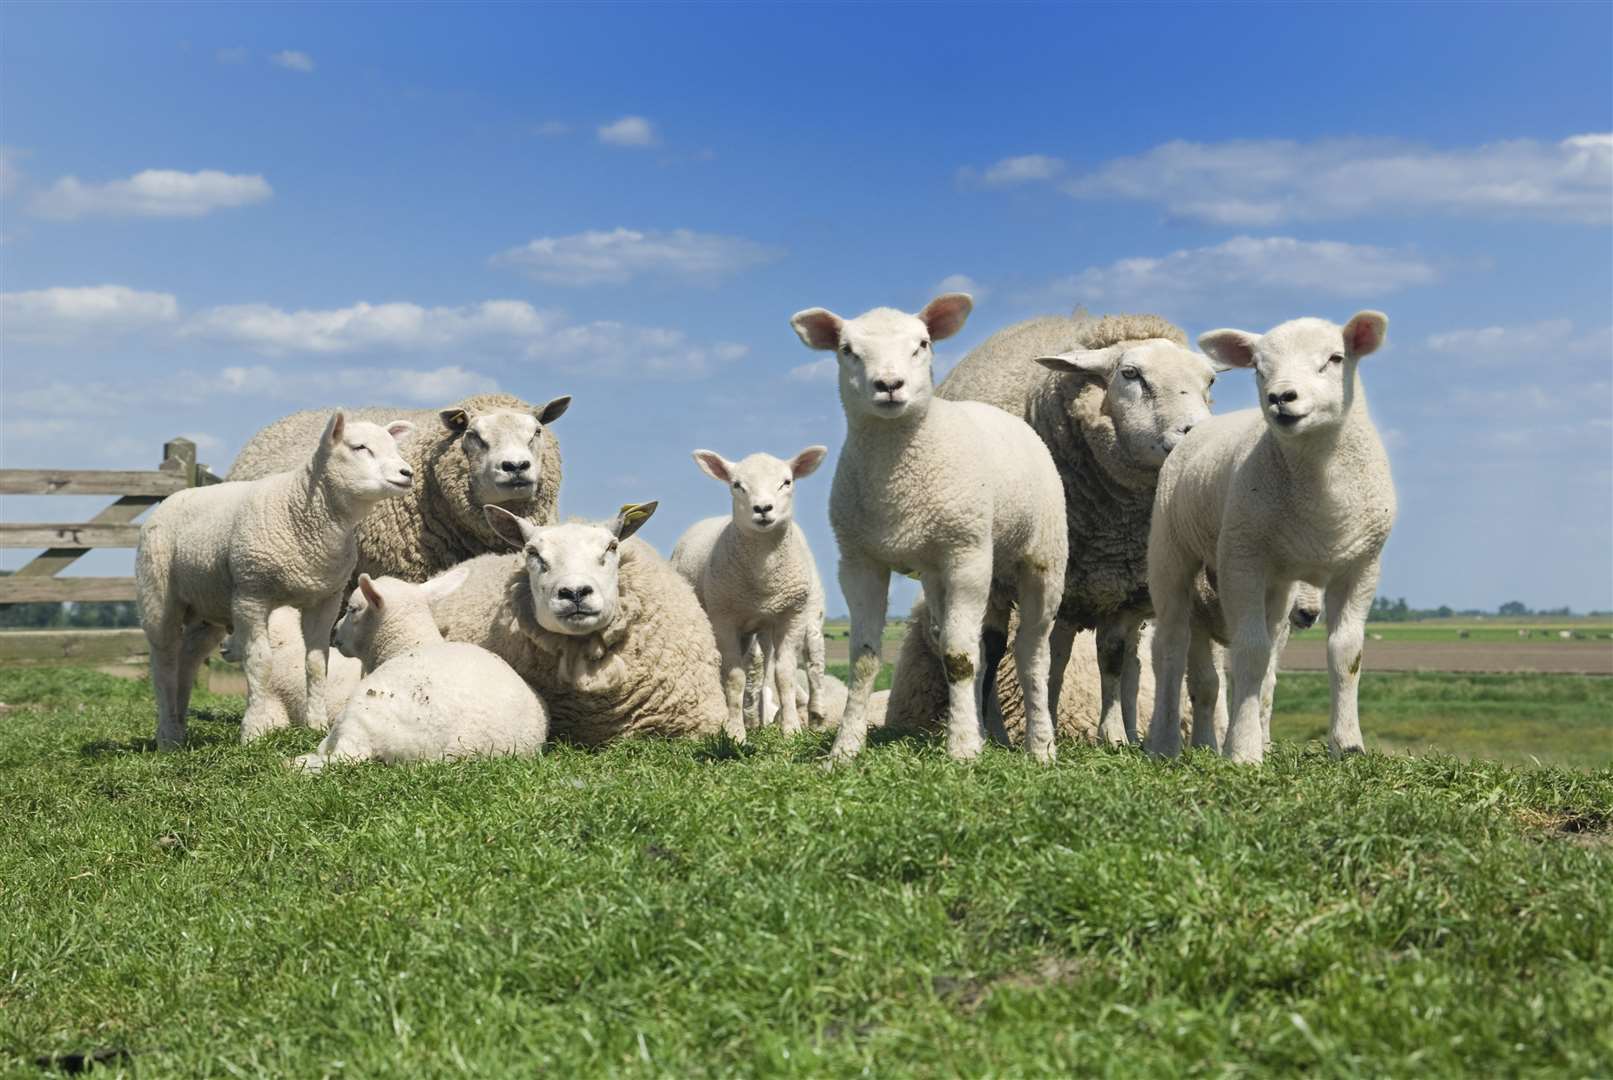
x=889, y=386
x=760, y=508
x=575, y=593
x=406, y=472
x=1185, y=428
x=1283, y=398
x=515, y=466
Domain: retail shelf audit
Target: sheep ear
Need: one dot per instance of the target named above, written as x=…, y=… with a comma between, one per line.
x=818, y=328
x=335, y=428
x=1364, y=333
x=455, y=420
x=1228, y=349
x=514, y=531
x=945, y=315
x=807, y=461
x=366, y=585
x=1099, y=362
x=554, y=410
x=446, y=582
x=631, y=517
x=400, y=430
x=715, y=466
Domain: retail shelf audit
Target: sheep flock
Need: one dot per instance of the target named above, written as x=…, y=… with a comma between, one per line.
x=1093, y=545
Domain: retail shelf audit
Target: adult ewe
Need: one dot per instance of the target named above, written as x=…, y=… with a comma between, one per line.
x=489, y=450
x=754, y=574
x=1297, y=490
x=423, y=698
x=215, y=557
x=1109, y=398
x=959, y=492
x=606, y=632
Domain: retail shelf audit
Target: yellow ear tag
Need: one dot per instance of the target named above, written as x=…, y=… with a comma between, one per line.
x=632, y=513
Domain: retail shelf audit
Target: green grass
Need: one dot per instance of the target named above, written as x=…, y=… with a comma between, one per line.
x=673, y=910
x=1483, y=631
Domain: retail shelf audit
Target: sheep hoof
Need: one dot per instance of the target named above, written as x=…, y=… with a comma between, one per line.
x=1348, y=750
x=1046, y=755
x=311, y=763
x=965, y=750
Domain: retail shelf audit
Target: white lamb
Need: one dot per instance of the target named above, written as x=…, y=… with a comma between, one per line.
x=959, y=492
x=1296, y=491
x=230, y=554
x=423, y=698
x=755, y=575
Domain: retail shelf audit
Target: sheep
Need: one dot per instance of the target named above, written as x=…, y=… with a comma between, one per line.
x=754, y=575
x=1298, y=490
x=490, y=450
x=1109, y=397
x=607, y=633
x=216, y=557
x=959, y=492
x=342, y=673
x=423, y=698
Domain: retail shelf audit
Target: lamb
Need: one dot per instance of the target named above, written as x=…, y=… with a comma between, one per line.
x=342, y=673
x=1110, y=398
x=754, y=575
x=607, y=633
x=216, y=557
x=1298, y=490
x=423, y=698
x=490, y=450
x=959, y=492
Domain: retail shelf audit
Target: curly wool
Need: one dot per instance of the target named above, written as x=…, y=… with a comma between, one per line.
x=436, y=525
x=652, y=671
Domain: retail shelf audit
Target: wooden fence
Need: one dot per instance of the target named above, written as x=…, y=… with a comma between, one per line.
x=37, y=582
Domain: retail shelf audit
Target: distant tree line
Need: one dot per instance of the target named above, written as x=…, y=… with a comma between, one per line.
x=1386, y=610
x=108, y=615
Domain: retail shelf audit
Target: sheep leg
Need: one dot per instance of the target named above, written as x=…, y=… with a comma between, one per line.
x=164, y=636
x=866, y=586
x=817, y=706
x=731, y=647
x=770, y=704
x=317, y=622
x=1348, y=601
x=1170, y=584
x=195, y=647
x=1268, y=688
x=784, y=663
x=993, y=646
x=265, y=710
x=1115, y=634
x=1130, y=681
x=1248, y=598
x=1038, y=604
x=754, y=705
x=968, y=593
x=1059, y=644
x=1204, y=689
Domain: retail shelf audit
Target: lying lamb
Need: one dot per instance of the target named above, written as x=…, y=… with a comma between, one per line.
x=606, y=632
x=959, y=492
x=214, y=557
x=1298, y=490
x=754, y=575
x=489, y=450
x=1110, y=398
x=423, y=698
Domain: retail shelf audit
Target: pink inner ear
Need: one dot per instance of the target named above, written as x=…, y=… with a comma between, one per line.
x=1363, y=336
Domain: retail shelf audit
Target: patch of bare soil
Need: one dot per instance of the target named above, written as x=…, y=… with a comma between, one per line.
x=1586, y=830
x=969, y=995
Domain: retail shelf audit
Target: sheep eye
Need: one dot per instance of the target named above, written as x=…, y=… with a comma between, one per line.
x=845, y=350
x=612, y=546
x=1336, y=358
x=360, y=448
x=786, y=483
x=1130, y=373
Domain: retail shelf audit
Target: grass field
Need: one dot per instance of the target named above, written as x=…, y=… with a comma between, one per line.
x=675, y=910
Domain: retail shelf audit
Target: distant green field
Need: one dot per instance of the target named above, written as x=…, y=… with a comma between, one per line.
x=1498, y=630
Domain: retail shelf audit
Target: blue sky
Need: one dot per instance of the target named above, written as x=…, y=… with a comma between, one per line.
x=214, y=215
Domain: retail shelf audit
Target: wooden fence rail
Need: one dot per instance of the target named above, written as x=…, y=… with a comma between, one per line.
x=64, y=544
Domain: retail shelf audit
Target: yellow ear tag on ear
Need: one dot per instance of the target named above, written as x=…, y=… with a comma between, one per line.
x=458, y=420
x=631, y=513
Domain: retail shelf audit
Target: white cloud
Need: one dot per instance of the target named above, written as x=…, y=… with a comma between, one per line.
x=823, y=369
x=1265, y=181
x=408, y=385
x=362, y=325
x=11, y=175
x=1246, y=264
x=961, y=283
x=292, y=60
x=233, y=55
x=550, y=129
x=1528, y=343
x=628, y=131
x=152, y=193
x=598, y=257
x=66, y=314
x=1025, y=169
x=611, y=349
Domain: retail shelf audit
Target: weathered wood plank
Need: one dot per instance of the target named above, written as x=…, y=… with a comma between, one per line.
x=121, y=512
x=30, y=647
x=67, y=535
x=91, y=482
x=50, y=590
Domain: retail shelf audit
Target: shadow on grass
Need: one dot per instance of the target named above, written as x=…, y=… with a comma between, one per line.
x=206, y=727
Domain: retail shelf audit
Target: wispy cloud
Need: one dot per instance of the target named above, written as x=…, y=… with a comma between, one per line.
x=594, y=258
x=1011, y=171
x=151, y=193
x=292, y=60
x=633, y=131
x=1260, y=182
x=962, y=283
x=363, y=326
x=615, y=349
x=1528, y=343
x=61, y=315
x=11, y=174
